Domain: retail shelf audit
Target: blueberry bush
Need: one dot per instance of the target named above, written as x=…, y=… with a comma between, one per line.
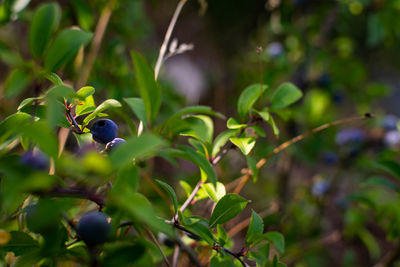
x=104, y=163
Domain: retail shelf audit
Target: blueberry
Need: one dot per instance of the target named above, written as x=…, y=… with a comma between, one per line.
x=275, y=49
x=351, y=135
x=104, y=130
x=391, y=138
x=329, y=158
x=390, y=122
x=114, y=143
x=94, y=228
x=35, y=160
x=320, y=188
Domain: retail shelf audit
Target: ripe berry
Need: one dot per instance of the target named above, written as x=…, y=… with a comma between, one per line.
x=94, y=228
x=114, y=143
x=35, y=160
x=104, y=130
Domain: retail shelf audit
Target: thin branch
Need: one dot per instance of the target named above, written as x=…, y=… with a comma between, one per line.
x=175, y=257
x=243, y=180
x=167, y=37
x=152, y=237
x=94, y=50
x=191, y=197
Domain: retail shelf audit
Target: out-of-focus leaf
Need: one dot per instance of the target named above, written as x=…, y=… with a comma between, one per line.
x=11, y=125
x=220, y=261
x=20, y=243
x=170, y=192
x=28, y=259
x=249, y=97
x=285, y=95
x=148, y=87
x=196, y=110
x=128, y=176
x=84, y=14
x=370, y=242
x=136, y=147
x=139, y=209
x=40, y=134
x=44, y=23
x=28, y=101
x=380, y=181
x=109, y=103
x=54, y=78
x=16, y=82
x=65, y=47
x=389, y=166
x=122, y=254
x=200, y=160
x=256, y=227
x=137, y=106
x=222, y=235
x=277, y=239
x=227, y=208
x=233, y=124
x=186, y=187
x=245, y=144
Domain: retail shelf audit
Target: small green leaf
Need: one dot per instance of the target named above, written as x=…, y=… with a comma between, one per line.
x=256, y=227
x=277, y=239
x=252, y=163
x=186, y=187
x=44, y=23
x=16, y=82
x=54, y=78
x=65, y=47
x=84, y=14
x=215, y=193
x=171, y=193
x=137, y=106
x=249, y=97
x=28, y=101
x=136, y=147
x=233, y=124
x=221, y=140
x=227, y=208
x=285, y=95
x=85, y=92
x=245, y=144
x=270, y=120
x=199, y=226
x=20, y=243
x=148, y=87
x=109, y=103
x=86, y=106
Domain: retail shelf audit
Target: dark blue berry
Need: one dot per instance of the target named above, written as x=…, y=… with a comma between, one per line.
x=94, y=228
x=349, y=136
x=35, y=160
x=104, y=130
x=114, y=143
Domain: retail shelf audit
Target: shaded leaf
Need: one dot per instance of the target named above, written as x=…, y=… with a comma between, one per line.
x=227, y=208
x=109, y=103
x=249, y=97
x=277, y=239
x=221, y=140
x=137, y=106
x=16, y=82
x=20, y=243
x=285, y=95
x=256, y=227
x=170, y=192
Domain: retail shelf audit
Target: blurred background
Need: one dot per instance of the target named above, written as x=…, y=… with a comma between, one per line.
x=327, y=195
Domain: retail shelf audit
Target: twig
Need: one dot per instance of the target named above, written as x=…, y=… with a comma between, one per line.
x=243, y=224
x=152, y=237
x=236, y=255
x=75, y=192
x=175, y=257
x=94, y=50
x=191, y=197
x=292, y=141
x=164, y=45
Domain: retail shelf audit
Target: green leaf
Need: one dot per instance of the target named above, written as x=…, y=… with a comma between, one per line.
x=137, y=106
x=245, y=144
x=55, y=112
x=221, y=140
x=196, y=110
x=54, y=78
x=199, y=226
x=28, y=259
x=85, y=92
x=128, y=177
x=122, y=254
x=109, y=103
x=170, y=192
x=277, y=239
x=256, y=227
x=249, y=97
x=380, y=181
x=201, y=127
x=285, y=95
x=370, y=242
x=389, y=166
x=44, y=23
x=252, y=163
x=41, y=134
x=65, y=47
x=20, y=243
x=148, y=87
x=220, y=261
x=28, y=101
x=200, y=160
x=84, y=14
x=270, y=120
x=233, y=124
x=16, y=82
x=222, y=235
x=139, y=209
x=227, y=208
x=215, y=193
x=86, y=106
x=13, y=124
x=186, y=187
x=137, y=147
